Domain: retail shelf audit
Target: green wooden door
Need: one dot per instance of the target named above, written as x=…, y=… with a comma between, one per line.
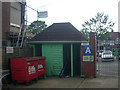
x=54, y=60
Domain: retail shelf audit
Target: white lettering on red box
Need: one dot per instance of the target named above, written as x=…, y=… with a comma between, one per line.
x=40, y=66
x=31, y=69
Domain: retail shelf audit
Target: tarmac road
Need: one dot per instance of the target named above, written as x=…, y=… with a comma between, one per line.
x=109, y=68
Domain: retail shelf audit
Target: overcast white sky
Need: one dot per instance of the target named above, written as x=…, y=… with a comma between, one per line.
x=73, y=11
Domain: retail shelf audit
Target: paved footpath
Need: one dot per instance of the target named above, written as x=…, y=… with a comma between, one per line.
x=102, y=82
x=76, y=82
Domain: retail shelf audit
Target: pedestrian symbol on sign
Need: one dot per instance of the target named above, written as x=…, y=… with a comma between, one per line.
x=88, y=50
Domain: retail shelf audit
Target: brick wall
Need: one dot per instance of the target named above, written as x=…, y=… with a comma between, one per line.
x=0, y=35
x=0, y=58
x=18, y=52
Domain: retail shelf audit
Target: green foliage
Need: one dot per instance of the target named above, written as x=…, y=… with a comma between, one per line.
x=100, y=24
x=36, y=27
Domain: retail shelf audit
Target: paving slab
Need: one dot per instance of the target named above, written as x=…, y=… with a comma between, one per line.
x=53, y=82
x=76, y=82
x=101, y=82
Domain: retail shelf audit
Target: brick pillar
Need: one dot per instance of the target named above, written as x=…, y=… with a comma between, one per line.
x=92, y=42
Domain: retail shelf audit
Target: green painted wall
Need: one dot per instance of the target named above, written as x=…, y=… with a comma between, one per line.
x=54, y=60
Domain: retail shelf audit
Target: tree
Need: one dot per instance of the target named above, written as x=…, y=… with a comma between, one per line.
x=100, y=24
x=36, y=27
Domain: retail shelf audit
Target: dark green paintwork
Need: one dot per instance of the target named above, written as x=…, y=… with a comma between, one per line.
x=54, y=60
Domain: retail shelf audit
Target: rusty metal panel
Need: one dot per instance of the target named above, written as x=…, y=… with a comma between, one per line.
x=88, y=67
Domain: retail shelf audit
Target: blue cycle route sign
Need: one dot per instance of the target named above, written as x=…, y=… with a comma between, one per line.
x=88, y=50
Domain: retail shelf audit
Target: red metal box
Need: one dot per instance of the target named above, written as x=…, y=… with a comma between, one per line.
x=41, y=66
x=27, y=69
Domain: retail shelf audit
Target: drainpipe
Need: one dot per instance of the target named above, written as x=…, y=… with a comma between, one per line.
x=71, y=60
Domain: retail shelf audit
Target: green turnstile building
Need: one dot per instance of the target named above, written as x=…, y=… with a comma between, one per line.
x=61, y=44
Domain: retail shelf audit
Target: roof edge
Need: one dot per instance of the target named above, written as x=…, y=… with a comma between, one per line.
x=57, y=41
